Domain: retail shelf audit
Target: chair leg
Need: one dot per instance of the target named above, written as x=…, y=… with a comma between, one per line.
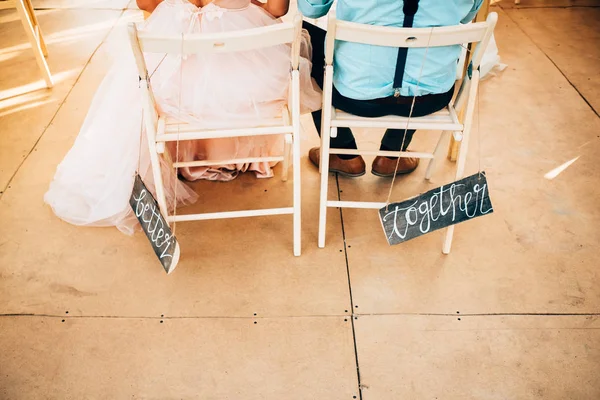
x=296, y=163
x=321, y=134
x=324, y=183
x=159, y=186
x=36, y=25
x=297, y=198
x=448, y=239
x=158, y=182
x=287, y=149
x=325, y=145
x=436, y=155
x=460, y=170
x=36, y=45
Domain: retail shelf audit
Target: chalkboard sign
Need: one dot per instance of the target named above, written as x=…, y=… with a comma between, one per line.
x=438, y=208
x=154, y=225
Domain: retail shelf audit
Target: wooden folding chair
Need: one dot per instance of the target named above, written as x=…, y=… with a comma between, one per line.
x=161, y=129
x=446, y=120
x=34, y=34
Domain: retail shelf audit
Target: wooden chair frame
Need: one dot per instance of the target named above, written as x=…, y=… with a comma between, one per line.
x=446, y=120
x=160, y=129
x=34, y=34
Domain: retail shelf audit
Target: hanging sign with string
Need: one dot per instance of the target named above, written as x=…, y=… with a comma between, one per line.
x=143, y=203
x=447, y=205
x=155, y=227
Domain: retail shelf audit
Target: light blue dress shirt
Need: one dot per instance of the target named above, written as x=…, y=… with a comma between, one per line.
x=365, y=72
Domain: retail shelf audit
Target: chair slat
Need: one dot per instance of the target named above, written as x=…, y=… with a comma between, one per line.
x=186, y=127
x=443, y=116
x=385, y=153
x=230, y=214
x=172, y=134
x=356, y=204
x=442, y=120
x=426, y=126
x=242, y=40
x=204, y=163
x=409, y=37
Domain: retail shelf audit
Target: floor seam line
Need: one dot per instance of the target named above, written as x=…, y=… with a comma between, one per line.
x=352, y=314
x=523, y=314
x=60, y=106
x=555, y=65
x=44, y=315
x=355, y=315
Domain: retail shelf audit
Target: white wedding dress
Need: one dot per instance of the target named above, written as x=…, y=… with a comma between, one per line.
x=93, y=183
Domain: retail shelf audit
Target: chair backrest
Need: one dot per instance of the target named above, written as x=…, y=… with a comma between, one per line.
x=242, y=40
x=410, y=37
x=226, y=42
x=234, y=41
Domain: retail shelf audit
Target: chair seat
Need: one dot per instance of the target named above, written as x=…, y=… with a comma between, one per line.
x=175, y=130
x=172, y=125
x=445, y=120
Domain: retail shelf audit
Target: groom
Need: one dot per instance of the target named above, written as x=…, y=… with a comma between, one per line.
x=374, y=81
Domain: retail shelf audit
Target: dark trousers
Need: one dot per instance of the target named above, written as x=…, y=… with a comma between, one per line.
x=393, y=138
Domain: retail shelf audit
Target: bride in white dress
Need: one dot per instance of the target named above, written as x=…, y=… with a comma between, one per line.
x=93, y=183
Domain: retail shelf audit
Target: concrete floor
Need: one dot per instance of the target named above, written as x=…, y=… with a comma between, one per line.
x=511, y=313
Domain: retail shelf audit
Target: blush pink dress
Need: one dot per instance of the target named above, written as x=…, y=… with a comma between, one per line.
x=93, y=183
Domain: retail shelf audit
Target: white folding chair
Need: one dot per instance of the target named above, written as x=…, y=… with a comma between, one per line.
x=160, y=129
x=445, y=120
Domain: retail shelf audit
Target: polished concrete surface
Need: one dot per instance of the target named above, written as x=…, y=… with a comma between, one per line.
x=511, y=313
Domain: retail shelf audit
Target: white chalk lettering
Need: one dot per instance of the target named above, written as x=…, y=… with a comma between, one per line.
x=154, y=225
x=456, y=202
x=146, y=208
x=164, y=253
x=432, y=207
x=395, y=228
x=483, y=189
x=138, y=203
x=424, y=210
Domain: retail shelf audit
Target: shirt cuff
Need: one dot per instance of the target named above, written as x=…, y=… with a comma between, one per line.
x=314, y=8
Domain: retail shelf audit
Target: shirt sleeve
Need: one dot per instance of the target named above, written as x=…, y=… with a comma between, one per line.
x=469, y=17
x=316, y=8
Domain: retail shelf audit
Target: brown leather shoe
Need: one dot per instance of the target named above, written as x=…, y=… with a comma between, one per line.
x=351, y=168
x=384, y=167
